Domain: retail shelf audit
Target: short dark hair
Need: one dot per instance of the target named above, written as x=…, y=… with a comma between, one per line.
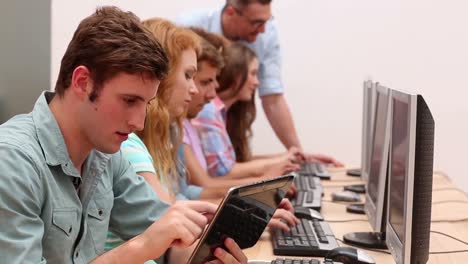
x=212, y=47
x=109, y=42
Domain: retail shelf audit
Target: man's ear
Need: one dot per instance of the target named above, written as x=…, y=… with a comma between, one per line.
x=229, y=10
x=81, y=82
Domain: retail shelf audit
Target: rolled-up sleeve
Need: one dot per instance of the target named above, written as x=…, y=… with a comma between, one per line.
x=270, y=63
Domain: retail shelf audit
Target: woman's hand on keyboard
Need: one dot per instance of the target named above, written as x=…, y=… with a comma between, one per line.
x=286, y=205
x=328, y=160
x=280, y=165
x=283, y=219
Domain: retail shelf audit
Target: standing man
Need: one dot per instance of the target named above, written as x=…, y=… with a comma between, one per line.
x=64, y=182
x=250, y=22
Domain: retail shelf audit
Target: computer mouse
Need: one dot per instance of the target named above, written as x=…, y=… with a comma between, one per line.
x=345, y=196
x=307, y=213
x=349, y=255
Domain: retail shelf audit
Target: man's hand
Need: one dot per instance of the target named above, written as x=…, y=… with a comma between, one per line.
x=181, y=225
x=234, y=256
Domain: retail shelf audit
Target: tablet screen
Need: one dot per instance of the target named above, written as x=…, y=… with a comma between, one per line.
x=243, y=215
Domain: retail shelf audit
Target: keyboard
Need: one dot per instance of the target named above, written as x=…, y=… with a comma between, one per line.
x=301, y=261
x=309, y=199
x=310, y=238
x=308, y=183
x=315, y=169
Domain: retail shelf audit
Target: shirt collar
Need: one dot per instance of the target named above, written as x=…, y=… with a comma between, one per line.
x=218, y=103
x=48, y=132
x=53, y=144
x=220, y=107
x=50, y=136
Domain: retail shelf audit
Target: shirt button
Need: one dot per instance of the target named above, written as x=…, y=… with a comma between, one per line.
x=100, y=212
x=77, y=253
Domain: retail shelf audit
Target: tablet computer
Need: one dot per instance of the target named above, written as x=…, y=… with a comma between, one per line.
x=242, y=215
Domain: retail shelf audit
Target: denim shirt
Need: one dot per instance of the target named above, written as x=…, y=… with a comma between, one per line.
x=42, y=218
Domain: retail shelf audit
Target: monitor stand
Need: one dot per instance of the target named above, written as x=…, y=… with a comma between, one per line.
x=357, y=188
x=366, y=239
x=355, y=208
x=354, y=172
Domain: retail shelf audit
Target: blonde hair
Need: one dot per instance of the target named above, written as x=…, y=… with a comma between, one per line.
x=161, y=141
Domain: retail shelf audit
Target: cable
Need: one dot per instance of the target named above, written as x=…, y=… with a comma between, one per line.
x=449, y=220
x=347, y=220
x=449, y=189
x=338, y=202
x=370, y=249
x=446, y=189
x=451, y=201
x=452, y=237
x=450, y=251
x=337, y=186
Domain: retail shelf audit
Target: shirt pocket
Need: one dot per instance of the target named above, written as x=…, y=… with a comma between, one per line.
x=98, y=219
x=65, y=221
x=61, y=235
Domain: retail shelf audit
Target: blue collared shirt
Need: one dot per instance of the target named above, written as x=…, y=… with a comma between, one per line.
x=42, y=217
x=266, y=46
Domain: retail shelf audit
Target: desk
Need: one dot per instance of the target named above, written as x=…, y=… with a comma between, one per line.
x=446, y=211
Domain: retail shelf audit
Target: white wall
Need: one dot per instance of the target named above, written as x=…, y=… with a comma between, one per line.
x=329, y=48
x=25, y=51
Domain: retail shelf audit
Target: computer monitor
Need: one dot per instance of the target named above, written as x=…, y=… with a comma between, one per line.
x=368, y=115
x=375, y=206
x=368, y=104
x=410, y=179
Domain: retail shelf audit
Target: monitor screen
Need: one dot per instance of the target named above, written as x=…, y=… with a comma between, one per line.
x=377, y=180
x=398, y=166
x=377, y=146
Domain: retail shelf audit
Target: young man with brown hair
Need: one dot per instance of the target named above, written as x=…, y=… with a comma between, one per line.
x=64, y=180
